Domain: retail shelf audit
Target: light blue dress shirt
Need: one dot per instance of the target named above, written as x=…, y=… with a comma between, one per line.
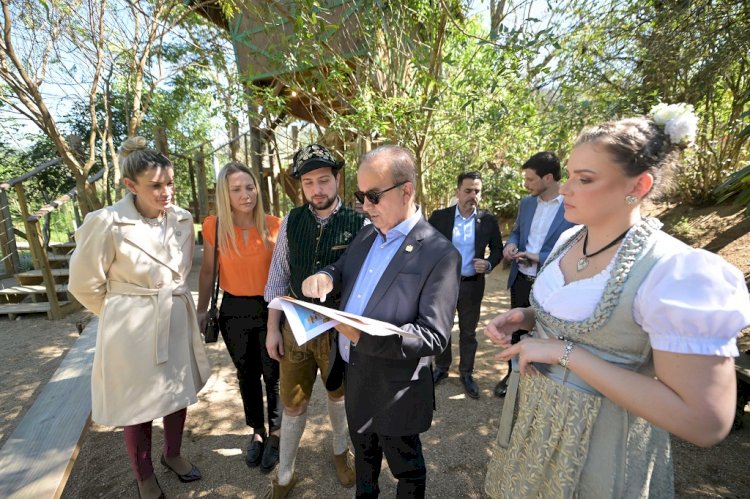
x=381, y=253
x=463, y=240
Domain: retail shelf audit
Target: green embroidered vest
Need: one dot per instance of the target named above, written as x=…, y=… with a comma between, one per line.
x=313, y=245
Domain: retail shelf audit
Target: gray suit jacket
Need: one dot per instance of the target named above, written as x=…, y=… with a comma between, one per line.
x=389, y=387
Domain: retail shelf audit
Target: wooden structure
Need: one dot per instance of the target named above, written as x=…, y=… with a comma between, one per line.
x=38, y=457
x=43, y=289
x=8, y=247
x=273, y=49
x=263, y=32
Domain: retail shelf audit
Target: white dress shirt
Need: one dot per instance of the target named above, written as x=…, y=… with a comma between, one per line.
x=691, y=302
x=543, y=215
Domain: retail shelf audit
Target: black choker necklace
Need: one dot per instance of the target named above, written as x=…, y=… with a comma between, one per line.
x=584, y=260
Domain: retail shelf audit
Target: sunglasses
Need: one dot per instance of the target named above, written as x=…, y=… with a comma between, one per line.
x=373, y=195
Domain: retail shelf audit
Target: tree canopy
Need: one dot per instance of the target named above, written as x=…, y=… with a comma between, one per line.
x=463, y=91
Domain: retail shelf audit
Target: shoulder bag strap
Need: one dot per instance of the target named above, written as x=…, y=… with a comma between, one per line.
x=215, y=277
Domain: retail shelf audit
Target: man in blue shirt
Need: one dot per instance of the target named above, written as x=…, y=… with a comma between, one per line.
x=399, y=270
x=472, y=231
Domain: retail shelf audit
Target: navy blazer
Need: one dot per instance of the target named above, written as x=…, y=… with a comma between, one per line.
x=389, y=388
x=520, y=233
x=486, y=232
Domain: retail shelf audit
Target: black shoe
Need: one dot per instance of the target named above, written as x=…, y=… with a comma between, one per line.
x=191, y=476
x=270, y=454
x=501, y=388
x=161, y=496
x=470, y=386
x=439, y=375
x=254, y=452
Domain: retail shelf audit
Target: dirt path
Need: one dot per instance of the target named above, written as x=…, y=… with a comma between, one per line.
x=457, y=447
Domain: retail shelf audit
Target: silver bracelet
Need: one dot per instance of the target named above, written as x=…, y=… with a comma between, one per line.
x=566, y=354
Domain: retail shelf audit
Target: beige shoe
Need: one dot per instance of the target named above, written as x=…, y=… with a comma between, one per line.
x=276, y=491
x=344, y=469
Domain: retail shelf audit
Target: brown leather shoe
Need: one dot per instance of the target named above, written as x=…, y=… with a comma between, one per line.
x=276, y=491
x=344, y=470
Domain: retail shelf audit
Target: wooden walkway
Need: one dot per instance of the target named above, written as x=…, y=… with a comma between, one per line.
x=39, y=455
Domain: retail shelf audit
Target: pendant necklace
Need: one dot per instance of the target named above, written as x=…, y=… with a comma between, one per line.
x=583, y=262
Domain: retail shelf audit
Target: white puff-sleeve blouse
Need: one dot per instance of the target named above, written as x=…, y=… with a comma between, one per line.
x=691, y=302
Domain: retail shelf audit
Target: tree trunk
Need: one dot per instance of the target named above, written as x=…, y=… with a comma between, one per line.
x=200, y=174
x=233, y=128
x=160, y=139
x=256, y=154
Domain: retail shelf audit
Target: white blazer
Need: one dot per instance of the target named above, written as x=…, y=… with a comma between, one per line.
x=150, y=360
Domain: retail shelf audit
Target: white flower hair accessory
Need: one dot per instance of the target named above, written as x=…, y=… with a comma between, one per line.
x=679, y=121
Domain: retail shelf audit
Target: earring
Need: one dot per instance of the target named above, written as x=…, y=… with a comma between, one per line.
x=631, y=200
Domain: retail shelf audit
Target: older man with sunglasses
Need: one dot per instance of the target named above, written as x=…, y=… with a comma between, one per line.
x=400, y=270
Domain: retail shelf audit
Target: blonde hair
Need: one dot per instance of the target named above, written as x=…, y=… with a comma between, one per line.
x=227, y=237
x=135, y=158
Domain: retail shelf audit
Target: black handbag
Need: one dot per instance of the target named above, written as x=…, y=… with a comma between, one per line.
x=211, y=334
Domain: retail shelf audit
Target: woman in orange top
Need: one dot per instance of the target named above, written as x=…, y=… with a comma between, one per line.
x=247, y=237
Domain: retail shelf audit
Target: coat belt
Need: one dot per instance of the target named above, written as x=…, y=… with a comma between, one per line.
x=163, y=298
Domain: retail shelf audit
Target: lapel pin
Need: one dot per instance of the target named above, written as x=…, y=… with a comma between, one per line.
x=409, y=248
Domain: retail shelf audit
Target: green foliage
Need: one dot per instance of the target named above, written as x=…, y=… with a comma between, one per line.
x=683, y=229
x=44, y=187
x=736, y=187
x=621, y=58
x=41, y=189
x=428, y=76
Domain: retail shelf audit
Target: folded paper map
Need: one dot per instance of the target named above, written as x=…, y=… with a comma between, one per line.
x=309, y=320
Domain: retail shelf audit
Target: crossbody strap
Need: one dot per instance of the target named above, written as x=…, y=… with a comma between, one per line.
x=216, y=277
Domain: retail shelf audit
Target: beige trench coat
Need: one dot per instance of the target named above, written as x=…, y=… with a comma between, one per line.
x=150, y=360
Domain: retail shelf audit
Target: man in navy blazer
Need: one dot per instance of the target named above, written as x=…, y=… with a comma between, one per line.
x=399, y=270
x=472, y=231
x=539, y=223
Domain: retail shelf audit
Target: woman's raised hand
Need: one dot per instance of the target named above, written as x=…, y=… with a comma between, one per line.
x=501, y=328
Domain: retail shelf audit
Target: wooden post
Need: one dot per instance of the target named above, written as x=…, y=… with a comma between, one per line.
x=272, y=181
x=77, y=215
x=200, y=173
x=8, y=237
x=337, y=145
x=263, y=178
x=23, y=207
x=35, y=243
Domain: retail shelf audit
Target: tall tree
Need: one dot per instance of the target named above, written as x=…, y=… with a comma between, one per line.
x=86, y=47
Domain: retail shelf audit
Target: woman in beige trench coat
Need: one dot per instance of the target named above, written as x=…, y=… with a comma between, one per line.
x=130, y=268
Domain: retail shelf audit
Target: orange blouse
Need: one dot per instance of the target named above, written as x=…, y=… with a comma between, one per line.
x=246, y=273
